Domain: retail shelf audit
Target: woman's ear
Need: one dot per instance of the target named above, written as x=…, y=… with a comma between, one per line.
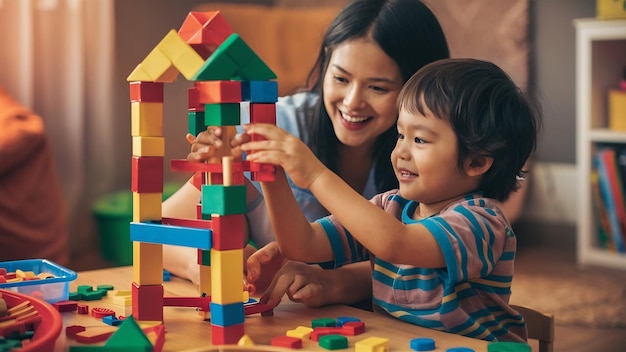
x=477, y=165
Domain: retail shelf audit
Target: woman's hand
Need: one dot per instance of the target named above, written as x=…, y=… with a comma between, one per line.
x=209, y=145
x=283, y=149
x=268, y=272
x=301, y=282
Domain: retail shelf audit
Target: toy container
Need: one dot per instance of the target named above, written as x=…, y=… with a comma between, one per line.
x=47, y=332
x=52, y=290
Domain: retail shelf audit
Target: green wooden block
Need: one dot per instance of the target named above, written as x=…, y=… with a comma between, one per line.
x=323, y=322
x=223, y=200
x=129, y=337
x=195, y=122
x=219, y=66
x=256, y=70
x=333, y=342
x=222, y=114
x=205, y=257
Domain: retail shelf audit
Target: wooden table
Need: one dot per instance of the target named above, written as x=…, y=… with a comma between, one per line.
x=185, y=330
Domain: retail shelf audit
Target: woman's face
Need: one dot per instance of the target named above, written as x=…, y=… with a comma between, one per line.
x=361, y=85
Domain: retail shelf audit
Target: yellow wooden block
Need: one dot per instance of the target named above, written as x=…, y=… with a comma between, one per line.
x=186, y=60
x=246, y=296
x=301, y=332
x=124, y=301
x=245, y=340
x=148, y=146
x=139, y=74
x=158, y=65
x=610, y=9
x=188, y=63
x=147, y=263
x=146, y=206
x=146, y=119
x=372, y=344
x=172, y=45
x=168, y=76
x=617, y=110
x=226, y=276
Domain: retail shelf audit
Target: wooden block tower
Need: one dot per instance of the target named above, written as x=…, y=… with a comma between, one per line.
x=226, y=72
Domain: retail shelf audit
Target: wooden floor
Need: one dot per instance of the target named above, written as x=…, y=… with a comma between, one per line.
x=540, y=247
x=552, y=247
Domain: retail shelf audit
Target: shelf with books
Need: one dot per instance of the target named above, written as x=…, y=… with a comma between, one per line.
x=600, y=61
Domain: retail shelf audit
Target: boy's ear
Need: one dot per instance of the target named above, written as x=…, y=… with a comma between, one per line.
x=478, y=165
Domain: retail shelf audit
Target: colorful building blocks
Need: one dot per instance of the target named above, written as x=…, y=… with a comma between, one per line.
x=226, y=72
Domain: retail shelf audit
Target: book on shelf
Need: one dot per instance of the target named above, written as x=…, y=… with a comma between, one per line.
x=603, y=228
x=611, y=191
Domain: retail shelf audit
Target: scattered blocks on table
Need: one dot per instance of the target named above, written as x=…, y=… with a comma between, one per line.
x=323, y=322
x=301, y=332
x=287, y=341
x=422, y=344
x=372, y=344
x=333, y=342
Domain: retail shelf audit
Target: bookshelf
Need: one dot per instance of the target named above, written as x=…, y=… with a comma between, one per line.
x=600, y=60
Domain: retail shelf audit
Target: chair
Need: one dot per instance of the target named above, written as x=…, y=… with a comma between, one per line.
x=540, y=326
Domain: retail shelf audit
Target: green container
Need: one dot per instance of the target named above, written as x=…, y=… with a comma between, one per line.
x=113, y=213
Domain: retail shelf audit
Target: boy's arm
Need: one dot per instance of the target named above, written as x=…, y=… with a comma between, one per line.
x=297, y=238
x=380, y=232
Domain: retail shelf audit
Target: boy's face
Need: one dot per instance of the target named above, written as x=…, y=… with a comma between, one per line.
x=425, y=161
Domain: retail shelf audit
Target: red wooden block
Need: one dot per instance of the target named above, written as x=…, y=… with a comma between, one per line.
x=227, y=231
x=72, y=330
x=353, y=328
x=205, y=31
x=66, y=306
x=147, y=174
x=221, y=335
x=218, y=91
x=200, y=224
x=149, y=92
x=82, y=309
x=193, y=100
x=263, y=113
x=287, y=341
x=151, y=297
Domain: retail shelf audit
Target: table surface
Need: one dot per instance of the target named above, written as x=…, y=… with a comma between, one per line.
x=185, y=329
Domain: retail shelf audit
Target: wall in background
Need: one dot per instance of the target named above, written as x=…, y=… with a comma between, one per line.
x=142, y=23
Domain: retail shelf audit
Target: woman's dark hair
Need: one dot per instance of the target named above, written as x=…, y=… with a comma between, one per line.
x=409, y=33
x=490, y=115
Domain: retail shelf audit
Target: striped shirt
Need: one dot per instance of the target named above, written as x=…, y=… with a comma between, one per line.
x=467, y=297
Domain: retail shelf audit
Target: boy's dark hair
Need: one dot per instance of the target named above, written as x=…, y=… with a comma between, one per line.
x=490, y=115
x=409, y=33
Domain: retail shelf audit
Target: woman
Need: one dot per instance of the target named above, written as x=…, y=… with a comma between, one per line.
x=347, y=117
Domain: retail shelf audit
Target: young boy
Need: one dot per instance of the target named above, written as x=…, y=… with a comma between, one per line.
x=442, y=252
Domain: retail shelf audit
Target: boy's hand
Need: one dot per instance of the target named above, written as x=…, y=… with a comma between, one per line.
x=261, y=267
x=283, y=149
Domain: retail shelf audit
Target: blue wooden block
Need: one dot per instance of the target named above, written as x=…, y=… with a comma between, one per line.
x=227, y=314
x=260, y=91
x=155, y=232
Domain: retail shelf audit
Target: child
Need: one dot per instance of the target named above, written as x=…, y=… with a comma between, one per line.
x=441, y=250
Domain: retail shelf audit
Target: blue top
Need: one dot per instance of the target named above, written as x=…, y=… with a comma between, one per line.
x=291, y=112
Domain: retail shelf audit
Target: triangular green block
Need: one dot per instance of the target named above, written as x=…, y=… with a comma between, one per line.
x=129, y=334
x=234, y=59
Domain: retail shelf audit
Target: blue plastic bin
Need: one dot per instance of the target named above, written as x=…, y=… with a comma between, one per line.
x=53, y=289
